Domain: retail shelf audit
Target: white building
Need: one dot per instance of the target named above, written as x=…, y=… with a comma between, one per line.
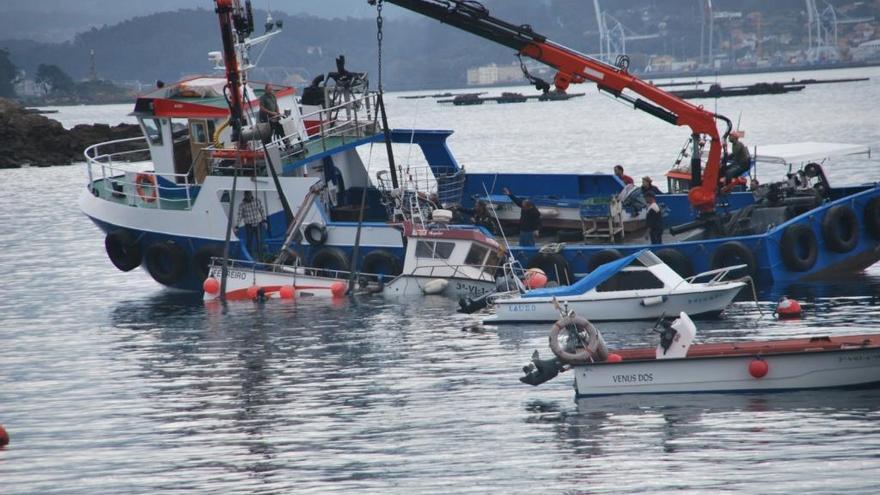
x=494, y=74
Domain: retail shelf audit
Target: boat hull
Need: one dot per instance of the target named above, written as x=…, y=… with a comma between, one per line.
x=702, y=303
x=796, y=371
x=411, y=285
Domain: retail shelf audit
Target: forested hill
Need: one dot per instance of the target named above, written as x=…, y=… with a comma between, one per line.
x=419, y=52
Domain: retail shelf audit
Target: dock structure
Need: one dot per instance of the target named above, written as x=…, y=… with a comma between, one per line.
x=475, y=99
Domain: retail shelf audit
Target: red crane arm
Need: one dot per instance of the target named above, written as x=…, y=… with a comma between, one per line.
x=574, y=67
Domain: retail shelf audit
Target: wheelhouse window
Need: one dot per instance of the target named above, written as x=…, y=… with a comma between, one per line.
x=631, y=280
x=434, y=250
x=476, y=255
x=153, y=130
x=492, y=263
x=199, y=133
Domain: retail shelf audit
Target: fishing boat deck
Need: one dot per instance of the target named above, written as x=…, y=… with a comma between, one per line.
x=821, y=343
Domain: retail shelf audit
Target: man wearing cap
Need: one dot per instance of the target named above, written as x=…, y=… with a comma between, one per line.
x=739, y=160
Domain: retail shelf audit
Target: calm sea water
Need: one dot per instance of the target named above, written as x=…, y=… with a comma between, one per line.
x=111, y=384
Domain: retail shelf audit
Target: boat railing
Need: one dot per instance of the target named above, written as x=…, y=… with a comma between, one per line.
x=717, y=275
x=117, y=172
x=349, y=120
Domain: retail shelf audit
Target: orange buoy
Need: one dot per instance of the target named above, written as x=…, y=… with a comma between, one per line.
x=286, y=292
x=211, y=286
x=758, y=368
x=788, y=308
x=253, y=291
x=338, y=289
x=4, y=437
x=535, y=278
x=614, y=358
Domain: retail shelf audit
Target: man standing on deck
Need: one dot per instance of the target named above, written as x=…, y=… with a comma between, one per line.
x=529, y=219
x=618, y=171
x=654, y=219
x=251, y=216
x=269, y=113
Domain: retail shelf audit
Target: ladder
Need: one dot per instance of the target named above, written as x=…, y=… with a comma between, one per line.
x=293, y=230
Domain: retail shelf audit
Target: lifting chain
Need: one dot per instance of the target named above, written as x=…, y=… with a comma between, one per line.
x=379, y=36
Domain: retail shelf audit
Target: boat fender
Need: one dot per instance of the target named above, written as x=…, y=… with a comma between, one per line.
x=735, y=253
x=201, y=259
x=539, y=370
x=123, y=250
x=758, y=368
x=676, y=260
x=338, y=289
x=166, y=262
x=287, y=292
x=329, y=259
x=381, y=262
x=211, y=286
x=145, y=187
x=799, y=247
x=576, y=352
x=840, y=229
x=548, y=212
x=872, y=217
x=554, y=265
x=653, y=301
x=602, y=257
x=535, y=278
x=316, y=234
x=436, y=286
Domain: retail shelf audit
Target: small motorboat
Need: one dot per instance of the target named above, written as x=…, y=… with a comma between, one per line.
x=636, y=287
x=441, y=259
x=677, y=365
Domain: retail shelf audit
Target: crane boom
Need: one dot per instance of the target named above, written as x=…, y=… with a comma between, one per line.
x=574, y=67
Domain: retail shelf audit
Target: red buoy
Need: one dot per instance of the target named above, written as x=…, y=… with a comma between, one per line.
x=758, y=368
x=211, y=286
x=614, y=358
x=253, y=291
x=535, y=278
x=338, y=289
x=4, y=437
x=286, y=292
x=788, y=308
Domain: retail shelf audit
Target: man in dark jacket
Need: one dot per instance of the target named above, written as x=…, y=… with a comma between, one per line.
x=654, y=219
x=529, y=219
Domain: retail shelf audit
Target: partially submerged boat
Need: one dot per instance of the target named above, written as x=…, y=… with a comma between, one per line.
x=636, y=287
x=441, y=259
x=677, y=365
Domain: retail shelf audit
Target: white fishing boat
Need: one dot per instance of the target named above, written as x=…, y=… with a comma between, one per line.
x=441, y=259
x=635, y=287
x=677, y=366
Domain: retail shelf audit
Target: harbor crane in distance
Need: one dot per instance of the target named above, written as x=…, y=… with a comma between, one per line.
x=575, y=67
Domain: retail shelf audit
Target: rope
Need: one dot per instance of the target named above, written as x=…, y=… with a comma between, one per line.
x=379, y=36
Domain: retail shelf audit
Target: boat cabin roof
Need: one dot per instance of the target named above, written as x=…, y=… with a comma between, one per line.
x=805, y=152
x=451, y=233
x=198, y=97
x=597, y=276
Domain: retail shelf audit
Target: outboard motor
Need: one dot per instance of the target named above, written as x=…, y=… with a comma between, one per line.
x=539, y=370
x=676, y=337
x=468, y=305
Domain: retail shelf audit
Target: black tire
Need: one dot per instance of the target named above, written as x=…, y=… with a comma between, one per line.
x=735, y=253
x=330, y=260
x=840, y=229
x=872, y=217
x=381, y=262
x=201, y=260
x=316, y=234
x=602, y=257
x=123, y=250
x=679, y=263
x=569, y=236
x=554, y=266
x=799, y=247
x=166, y=262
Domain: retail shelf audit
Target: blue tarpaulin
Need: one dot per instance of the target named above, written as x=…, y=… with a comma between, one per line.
x=596, y=277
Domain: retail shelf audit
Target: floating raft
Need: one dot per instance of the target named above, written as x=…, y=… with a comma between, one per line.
x=437, y=95
x=510, y=98
x=717, y=91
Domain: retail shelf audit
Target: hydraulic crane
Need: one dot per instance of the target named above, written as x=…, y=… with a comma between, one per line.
x=574, y=67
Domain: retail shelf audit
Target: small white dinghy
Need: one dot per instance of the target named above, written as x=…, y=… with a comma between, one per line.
x=678, y=366
x=636, y=287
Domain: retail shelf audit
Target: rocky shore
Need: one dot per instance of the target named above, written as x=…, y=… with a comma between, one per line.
x=28, y=138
